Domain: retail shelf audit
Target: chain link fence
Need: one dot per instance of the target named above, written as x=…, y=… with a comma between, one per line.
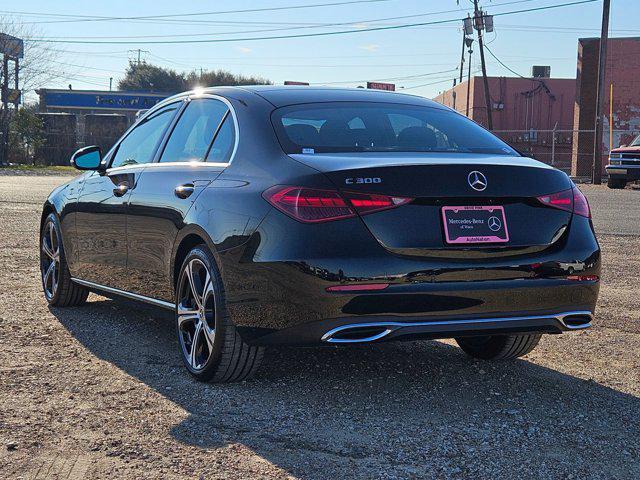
x=553, y=147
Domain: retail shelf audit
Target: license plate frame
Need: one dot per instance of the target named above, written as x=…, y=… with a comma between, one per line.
x=480, y=228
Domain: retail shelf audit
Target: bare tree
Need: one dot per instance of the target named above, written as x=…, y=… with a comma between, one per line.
x=35, y=69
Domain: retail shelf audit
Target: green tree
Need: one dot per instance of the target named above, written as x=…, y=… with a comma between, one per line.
x=213, y=78
x=26, y=134
x=146, y=77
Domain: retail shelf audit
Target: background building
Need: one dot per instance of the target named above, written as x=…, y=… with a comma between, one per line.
x=526, y=111
x=76, y=118
x=623, y=80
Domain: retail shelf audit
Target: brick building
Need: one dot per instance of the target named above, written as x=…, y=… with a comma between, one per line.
x=525, y=112
x=622, y=77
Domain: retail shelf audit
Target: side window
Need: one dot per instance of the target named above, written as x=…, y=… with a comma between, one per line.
x=224, y=142
x=140, y=144
x=194, y=131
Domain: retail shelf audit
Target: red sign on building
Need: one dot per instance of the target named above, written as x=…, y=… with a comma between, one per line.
x=391, y=87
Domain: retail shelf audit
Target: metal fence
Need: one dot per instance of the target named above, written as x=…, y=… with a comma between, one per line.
x=555, y=147
x=54, y=148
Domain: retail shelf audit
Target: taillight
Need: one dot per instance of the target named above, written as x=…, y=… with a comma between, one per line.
x=312, y=205
x=572, y=200
x=580, y=203
x=309, y=204
x=369, y=202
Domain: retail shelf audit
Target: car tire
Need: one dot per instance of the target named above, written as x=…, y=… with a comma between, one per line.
x=616, y=183
x=498, y=347
x=59, y=289
x=203, y=322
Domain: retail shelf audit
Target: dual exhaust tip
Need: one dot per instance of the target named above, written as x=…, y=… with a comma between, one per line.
x=370, y=332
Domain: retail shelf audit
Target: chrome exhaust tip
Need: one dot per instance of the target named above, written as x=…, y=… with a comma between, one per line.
x=576, y=320
x=359, y=333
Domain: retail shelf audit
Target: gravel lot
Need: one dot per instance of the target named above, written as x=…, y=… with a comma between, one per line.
x=99, y=391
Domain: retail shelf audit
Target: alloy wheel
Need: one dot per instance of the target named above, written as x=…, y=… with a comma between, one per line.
x=50, y=259
x=196, y=314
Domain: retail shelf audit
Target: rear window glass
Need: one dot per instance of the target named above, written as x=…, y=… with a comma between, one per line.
x=380, y=127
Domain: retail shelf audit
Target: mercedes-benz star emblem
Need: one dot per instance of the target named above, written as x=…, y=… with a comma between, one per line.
x=494, y=224
x=477, y=181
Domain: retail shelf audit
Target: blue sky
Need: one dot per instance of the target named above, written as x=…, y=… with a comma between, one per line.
x=413, y=56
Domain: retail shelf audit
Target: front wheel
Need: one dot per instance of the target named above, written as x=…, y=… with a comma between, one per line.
x=211, y=347
x=59, y=289
x=498, y=347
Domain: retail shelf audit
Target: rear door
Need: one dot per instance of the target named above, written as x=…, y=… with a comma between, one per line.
x=197, y=150
x=102, y=204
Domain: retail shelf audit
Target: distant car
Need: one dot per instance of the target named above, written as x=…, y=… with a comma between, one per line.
x=315, y=216
x=624, y=164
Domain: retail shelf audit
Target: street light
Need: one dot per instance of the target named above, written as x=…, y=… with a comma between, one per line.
x=468, y=42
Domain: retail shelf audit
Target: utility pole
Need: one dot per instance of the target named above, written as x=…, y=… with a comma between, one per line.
x=464, y=37
x=469, y=43
x=596, y=171
x=139, y=53
x=479, y=26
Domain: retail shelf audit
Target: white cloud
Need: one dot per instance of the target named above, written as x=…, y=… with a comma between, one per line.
x=245, y=50
x=370, y=48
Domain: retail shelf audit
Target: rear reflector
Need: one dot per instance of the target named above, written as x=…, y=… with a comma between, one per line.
x=572, y=200
x=312, y=205
x=583, y=278
x=357, y=288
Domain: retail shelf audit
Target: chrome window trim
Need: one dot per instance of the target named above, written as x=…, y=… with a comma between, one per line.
x=108, y=158
x=123, y=293
x=196, y=96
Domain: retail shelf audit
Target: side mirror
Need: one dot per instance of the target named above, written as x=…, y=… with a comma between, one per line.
x=87, y=158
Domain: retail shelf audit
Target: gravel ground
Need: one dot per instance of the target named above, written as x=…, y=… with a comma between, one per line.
x=99, y=391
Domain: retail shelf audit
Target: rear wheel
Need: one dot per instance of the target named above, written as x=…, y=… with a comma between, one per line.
x=616, y=183
x=58, y=288
x=498, y=347
x=211, y=347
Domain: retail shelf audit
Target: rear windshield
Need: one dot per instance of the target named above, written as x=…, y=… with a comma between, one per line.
x=380, y=127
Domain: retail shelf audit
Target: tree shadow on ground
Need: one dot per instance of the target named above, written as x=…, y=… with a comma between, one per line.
x=414, y=409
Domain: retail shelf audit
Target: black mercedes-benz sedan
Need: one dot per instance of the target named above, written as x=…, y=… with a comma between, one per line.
x=310, y=216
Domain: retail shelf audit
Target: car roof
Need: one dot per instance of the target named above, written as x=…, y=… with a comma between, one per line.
x=280, y=95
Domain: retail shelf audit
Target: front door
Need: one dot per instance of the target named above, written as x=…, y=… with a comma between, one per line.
x=195, y=153
x=101, y=221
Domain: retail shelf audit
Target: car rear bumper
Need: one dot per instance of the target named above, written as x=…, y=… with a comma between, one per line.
x=283, y=292
x=418, y=310
x=372, y=329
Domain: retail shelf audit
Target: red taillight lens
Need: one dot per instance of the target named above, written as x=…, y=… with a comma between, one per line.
x=312, y=205
x=572, y=200
x=370, y=202
x=309, y=204
x=580, y=203
x=562, y=200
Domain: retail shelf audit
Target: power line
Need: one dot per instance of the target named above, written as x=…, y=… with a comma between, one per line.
x=95, y=18
x=301, y=35
x=307, y=25
x=389, y=78
x=501, y=63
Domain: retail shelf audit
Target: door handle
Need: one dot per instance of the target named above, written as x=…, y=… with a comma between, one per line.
x=121, y=189
x=184, y=191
